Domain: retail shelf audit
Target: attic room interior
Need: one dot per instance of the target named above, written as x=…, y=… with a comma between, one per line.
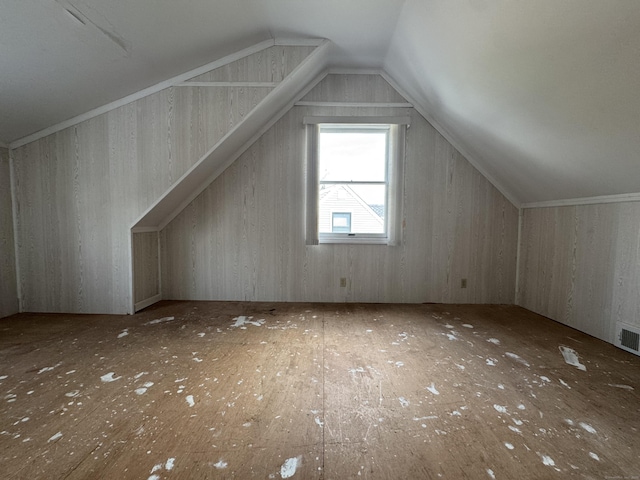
x=299, y=239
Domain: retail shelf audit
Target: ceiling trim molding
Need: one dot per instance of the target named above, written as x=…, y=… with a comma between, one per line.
x=161, y=86
x=602, y=199
x=451, y=139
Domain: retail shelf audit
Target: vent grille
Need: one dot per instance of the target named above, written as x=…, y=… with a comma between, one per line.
x=628, y=338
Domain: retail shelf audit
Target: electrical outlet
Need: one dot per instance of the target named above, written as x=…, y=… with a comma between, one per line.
x=343, y=282
x=463, y=283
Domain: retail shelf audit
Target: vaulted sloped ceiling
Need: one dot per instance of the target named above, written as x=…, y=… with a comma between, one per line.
x=542, y=96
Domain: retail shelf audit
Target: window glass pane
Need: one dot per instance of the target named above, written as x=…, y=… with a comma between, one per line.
x=353, y=155
x=364, y=205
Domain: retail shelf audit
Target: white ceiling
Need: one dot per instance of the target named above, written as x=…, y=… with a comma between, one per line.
x=542, y=96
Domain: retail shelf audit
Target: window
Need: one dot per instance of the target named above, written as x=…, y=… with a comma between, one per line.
x=341, y=222
x=354, y=180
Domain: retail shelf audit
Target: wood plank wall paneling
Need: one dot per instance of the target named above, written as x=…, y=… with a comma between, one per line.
x=146, y=278
x=269, y=65
x=580, y=265
x=354, y=88
x=80, y=189
x=8, y=285
x=243, y=237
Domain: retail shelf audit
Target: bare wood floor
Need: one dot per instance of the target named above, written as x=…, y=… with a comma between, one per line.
x=245, y=390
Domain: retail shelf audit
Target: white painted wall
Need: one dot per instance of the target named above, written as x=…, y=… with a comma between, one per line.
x=243, y=237
x=8, y=285
x=580, y=265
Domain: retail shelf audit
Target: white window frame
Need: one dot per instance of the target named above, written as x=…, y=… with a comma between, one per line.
x=394, y=181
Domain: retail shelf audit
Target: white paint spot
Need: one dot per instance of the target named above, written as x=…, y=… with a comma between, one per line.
x=201, y=334
x=508, y=445
x=495, y=341
x=45, y=369
x=319, y=422
x=449, y=326
x=594, y=456
x=246, y=425
x=169, y=464
x=514, y=429
x=190, y=400
x=156, y=467
x=2, y=377
x=159, y=320
x=109, y=377
x=545, y=379
x=461, y=367
x=571, y=357
x=565, y=384
x=517, y=358
x=369, y=331
x=432, y=389
x=500, y=408
x=55, y=437
x=451, y=336
x=221, y=464
x=569, y=421
x=588, y=427
x=491, y=474
x=140, y=391
x=197, y=360
x=404, y=402
x=399, y=364
x=139, y=375
x=153, y=477
x=547, y=460
x=123, y=333
x=491, y=362
x=501, y=387
x=467, y=325
x=241, y=321
x=430, y=417
x=517, y=422
x=72, y=394
x=521, y=407
x=289, y=467
x=617, y=385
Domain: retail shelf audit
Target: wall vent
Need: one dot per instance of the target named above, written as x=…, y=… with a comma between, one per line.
x=628, y=338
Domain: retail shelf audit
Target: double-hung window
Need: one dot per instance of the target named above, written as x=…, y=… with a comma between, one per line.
x=354, y=179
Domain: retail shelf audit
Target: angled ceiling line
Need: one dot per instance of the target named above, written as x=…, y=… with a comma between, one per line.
x=452, y=140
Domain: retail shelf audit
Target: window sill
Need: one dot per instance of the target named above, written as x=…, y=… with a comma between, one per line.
x=355, y=240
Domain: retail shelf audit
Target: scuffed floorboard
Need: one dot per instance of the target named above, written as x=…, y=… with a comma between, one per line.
x=320, y=391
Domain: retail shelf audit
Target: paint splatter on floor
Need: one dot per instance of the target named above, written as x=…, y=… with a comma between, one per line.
x=190, y=400
x=290, y=466
x=432, y=388
x=571, y=357
x=221, y=464
x=160, y=320
x=241, y=321
x=109, y=377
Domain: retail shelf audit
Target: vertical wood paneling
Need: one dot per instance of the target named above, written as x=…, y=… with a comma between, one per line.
x=8, y=285
x=146, y=278
x=252, y=219
x=580, y=265
x=354, y=88
x=79, y=190
x=269, y=65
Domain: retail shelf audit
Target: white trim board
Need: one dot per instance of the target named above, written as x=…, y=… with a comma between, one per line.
x=145, y=303
x=622, y=198
x=422, y=111
x=160, y=86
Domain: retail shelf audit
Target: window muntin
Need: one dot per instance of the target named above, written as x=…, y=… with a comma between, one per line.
x=353, y=165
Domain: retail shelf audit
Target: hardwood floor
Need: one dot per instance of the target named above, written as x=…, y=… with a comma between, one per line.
x=321, y=391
